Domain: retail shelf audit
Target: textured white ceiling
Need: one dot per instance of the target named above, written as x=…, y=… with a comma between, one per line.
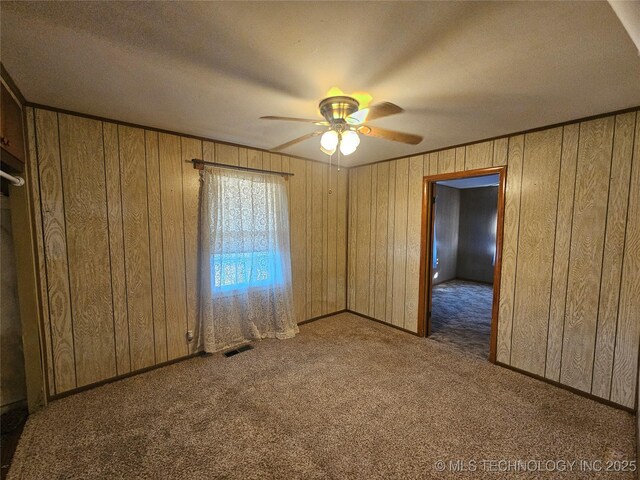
x=462, y=71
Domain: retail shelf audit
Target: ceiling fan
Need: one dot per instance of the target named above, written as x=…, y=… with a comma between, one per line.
x=345, y=117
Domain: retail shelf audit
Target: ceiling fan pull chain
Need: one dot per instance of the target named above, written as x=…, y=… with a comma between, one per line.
x=330, y=159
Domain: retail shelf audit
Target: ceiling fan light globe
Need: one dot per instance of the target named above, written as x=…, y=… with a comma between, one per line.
x=346, y=150
x=329, y=140
x=327, y=152
x=349, y=142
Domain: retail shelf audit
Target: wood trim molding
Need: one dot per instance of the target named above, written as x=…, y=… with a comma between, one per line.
x=304, y=322
x=124, y=375
x=170, y=132
x=566, y=387
x=159, y=365
x=506, y=135
x=367, y=317
x=426, y=260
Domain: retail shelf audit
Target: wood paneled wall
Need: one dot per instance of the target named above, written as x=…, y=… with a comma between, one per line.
x=117, y=226
x=570, y=288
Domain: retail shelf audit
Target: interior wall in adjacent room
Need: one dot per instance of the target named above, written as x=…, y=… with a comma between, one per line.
x=117, y=225
x=446, y=224
x=570, y=287
x=477, y=234
x=13, y=390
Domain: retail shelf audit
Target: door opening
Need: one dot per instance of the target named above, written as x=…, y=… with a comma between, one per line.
x=461, y=250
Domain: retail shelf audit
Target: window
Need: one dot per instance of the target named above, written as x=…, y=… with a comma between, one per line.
x=245, y=262
x=243, y=270
x=247, y=248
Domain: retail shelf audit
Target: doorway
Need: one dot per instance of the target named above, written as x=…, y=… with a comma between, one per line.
x=461, y=251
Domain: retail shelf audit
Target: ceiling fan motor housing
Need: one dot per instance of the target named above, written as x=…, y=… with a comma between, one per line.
x=336, y=109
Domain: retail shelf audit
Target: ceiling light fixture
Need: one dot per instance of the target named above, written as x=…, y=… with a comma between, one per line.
x=329, y=141
x=349, y=141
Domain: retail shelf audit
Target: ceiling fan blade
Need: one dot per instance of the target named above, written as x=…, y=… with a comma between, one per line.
x=385, y=134
x=379, y=110
x=296, y=140
x=293, y=119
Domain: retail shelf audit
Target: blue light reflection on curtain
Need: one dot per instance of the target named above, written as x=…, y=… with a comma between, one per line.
x=236, y=271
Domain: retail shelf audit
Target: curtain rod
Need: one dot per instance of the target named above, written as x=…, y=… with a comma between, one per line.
x=17, y=181
x=198, y=163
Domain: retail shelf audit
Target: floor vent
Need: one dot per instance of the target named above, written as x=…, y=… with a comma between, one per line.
x=235, y=351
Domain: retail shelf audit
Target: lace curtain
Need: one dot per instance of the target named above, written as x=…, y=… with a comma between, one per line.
x=245, y=263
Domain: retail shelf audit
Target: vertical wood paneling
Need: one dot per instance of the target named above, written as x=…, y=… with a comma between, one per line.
x=373, y=215
x=381, y=239
x=568, y=236
x=540, y=176
x=209, y=151
x=140, y=215
x=191, y=148
x=317, y=238
x=298, y=184
x=332, y=246
x=380, y=228
x=561, y=250
x=227, y=154
x=341, y=274
x=254, y=158
x=309, y=239
x=324, y=170
x=266, y=161
x=613, y=253
x=400, y=241
x=623, y=383
x=55, y=250
x=500, y=151
x=155, y=245
x=391, y=225
x=414, y=219
x=353, y=235
x=460, y=157
x=509, y=248
x=363, y=243
x=136, y=246
x=34, y=180
x=433, y=163
x=585, y=255
x=276, y=162
x=173, y=244
x=85, y=208
x=479, y=155
x=447, y=161
x=116, y=246
x=243, y=157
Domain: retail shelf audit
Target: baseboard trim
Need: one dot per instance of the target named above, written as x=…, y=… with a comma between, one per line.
x=382, y=323
x=153, y=367
x=609, y=403
x=90, y=386
x=472, y=281
x=304, y=322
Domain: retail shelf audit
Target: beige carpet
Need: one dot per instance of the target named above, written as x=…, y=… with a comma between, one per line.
x=347, y=398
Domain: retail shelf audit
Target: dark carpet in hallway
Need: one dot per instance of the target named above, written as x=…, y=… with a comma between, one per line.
x=461, y=316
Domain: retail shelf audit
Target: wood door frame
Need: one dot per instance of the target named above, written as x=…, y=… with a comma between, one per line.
x=426, y=253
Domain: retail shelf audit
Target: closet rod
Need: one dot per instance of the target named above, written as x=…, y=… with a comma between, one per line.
x=17, y=181
x=197, y=163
